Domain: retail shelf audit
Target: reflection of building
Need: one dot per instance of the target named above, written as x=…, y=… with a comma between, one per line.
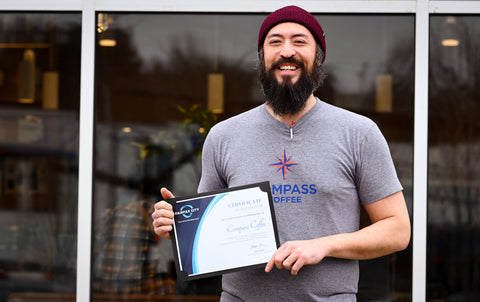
x=38, y=165
x=74, y=133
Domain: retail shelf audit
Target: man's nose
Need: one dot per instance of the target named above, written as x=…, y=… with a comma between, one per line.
x=287, y=50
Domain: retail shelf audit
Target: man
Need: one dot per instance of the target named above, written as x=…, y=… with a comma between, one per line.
x=323, y=164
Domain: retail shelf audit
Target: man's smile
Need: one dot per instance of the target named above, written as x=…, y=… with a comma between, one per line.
x=288, y=67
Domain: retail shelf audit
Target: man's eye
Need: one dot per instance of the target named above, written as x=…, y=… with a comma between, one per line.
x=273, y=42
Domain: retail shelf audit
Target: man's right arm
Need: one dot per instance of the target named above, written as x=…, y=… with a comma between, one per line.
x=163, y=215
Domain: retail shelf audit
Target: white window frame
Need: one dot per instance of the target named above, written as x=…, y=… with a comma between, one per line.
x=422, y=10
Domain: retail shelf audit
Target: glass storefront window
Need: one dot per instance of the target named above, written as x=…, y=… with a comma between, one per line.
x=39, y=106
x=154, y=74
x=453, y=250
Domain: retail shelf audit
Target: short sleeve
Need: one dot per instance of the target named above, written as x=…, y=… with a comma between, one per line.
x=212, y=178
x=376, y=176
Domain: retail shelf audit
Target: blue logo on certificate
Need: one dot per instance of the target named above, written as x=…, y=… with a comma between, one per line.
x=187, y=211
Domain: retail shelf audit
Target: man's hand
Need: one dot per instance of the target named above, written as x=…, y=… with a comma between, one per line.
x=293, y=255
x=163, y=215
x=388, y=233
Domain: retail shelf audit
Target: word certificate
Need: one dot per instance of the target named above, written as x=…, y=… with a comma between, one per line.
x=223, y=231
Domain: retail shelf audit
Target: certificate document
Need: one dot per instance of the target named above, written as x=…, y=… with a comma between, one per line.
x=223, y=231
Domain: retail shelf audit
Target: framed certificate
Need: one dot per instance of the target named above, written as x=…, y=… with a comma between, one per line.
x=223, y=231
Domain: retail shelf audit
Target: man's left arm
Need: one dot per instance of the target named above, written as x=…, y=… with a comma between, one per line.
x=388, y=233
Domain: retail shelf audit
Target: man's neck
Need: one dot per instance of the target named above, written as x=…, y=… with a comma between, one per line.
x=291, y=119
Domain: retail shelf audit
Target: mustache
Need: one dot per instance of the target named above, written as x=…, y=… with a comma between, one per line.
x=277, y=63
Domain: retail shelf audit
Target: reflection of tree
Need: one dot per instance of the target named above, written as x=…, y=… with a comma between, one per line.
x=454, y=107
x=454, y=87
x=397, y=125
x=400, y=64
x=131, y=93
x=454, y=138
x=327, y=92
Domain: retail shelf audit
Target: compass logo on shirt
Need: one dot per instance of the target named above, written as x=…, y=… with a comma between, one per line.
x=284, y=164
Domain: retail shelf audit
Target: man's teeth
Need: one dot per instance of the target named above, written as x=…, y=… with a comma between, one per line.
x=288, y=68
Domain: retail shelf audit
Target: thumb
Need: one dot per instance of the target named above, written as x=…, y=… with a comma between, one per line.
x=166, y=194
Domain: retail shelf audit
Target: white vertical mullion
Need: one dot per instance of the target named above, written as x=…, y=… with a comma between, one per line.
x=85, y=166
x=420, y=155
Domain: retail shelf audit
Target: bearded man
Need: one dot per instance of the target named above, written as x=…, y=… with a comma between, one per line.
x=329, y=161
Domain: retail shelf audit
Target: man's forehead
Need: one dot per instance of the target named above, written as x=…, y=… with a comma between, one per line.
x=287, y=29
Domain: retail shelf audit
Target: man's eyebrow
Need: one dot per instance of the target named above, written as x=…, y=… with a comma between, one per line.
x=299, y=35
x=274, y=35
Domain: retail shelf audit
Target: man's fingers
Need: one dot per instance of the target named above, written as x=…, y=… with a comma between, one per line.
x=163, y=215
x=289, y=262
x=277, y=258
x=270, y=265
x=296, y=267
x=286, y=257
x=163, y=206
x=164, y=228
x=162, y=225
x=163, y=232
x=162, y=221
x=166, y=194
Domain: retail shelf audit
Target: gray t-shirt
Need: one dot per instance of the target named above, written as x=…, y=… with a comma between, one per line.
x=321, y=170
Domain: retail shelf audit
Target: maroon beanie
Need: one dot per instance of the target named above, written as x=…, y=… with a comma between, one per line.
x=297, y=15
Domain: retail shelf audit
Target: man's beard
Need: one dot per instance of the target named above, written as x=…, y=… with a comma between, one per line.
x=288, y=98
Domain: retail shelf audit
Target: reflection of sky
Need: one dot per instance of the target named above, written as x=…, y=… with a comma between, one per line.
x=356, y=41
x=235, y=39
x=357, y=45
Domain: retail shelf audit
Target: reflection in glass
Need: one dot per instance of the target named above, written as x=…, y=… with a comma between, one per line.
x=153, y=91
x=453, y=252
x=39, y=102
